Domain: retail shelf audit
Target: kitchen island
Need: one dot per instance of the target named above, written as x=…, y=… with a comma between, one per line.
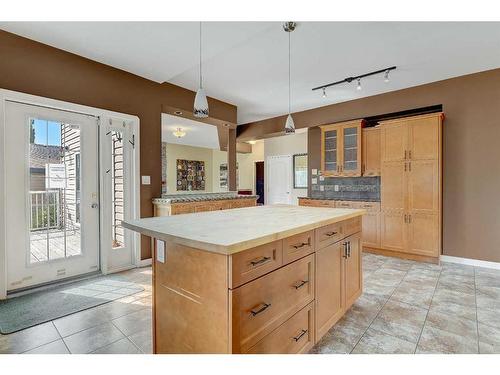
x=268, y=279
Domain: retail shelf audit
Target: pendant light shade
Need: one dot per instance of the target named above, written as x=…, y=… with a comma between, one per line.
x=200, y=104
x=289, y=125
x=200, y=108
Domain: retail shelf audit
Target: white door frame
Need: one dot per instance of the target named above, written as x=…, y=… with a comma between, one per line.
x=104, y=115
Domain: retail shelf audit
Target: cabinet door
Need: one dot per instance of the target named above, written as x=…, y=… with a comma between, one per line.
x=370, y=150
x=393, y=231
x=353, y=274
x=371, y=229
x=393, y=141
x=424, y=234
x=423, y=187
x=329, y=287
x=330, y=140
x=424, y=138
x=351, y=150
x=394, y=186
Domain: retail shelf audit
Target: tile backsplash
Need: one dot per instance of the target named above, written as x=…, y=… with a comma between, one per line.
x=347, y=188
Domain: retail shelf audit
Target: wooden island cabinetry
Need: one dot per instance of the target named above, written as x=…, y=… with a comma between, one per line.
x=277, y=287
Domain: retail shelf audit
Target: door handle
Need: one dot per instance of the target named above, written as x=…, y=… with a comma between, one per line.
x=264, y=307
x=94, y=205
x=256, y=262
x=329, y=234
x=348, y=249
x=299, y=336
x=298, y=246
x=301, y=284
x=345, y=250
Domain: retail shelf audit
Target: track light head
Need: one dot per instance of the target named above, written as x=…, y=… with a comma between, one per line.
x=324, y=92
x=358, y=87
x=386, y=76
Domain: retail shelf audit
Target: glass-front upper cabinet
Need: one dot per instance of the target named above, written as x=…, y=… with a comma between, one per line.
x=330, y=151
x=341, y=149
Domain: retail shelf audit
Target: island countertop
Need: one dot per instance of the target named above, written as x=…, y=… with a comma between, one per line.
x=231, y=231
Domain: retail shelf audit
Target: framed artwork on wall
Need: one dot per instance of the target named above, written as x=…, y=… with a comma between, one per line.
x=190, y=175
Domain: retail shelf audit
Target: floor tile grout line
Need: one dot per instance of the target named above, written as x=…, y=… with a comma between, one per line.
x=477, y=318
x=428, y=309
x=378, y=313
x=62, y=338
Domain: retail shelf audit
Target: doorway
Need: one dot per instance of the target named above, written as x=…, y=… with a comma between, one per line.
x=51, y=160
x=259, y=181
x=279, y=179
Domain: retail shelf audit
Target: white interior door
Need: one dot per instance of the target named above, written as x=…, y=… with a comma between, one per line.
x=51, y=170
x=279, y=179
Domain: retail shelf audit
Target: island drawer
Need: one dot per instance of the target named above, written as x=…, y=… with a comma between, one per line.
x=329, y=234
x=250, y=264
x=298, y=246
x=294, y=336
x=262, y=305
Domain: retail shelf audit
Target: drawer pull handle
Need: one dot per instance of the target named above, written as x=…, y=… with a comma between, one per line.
x=298, y=246
x=301, y=284
x=263, y=308
x=302, y=333
x=259, y=261
x=329, y=234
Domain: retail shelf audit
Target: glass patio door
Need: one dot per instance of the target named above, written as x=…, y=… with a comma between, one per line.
x=52, y=190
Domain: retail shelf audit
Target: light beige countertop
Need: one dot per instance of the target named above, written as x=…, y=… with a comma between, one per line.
x=230, y=231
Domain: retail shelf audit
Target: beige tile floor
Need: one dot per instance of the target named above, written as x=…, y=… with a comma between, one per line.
x=121, y=326
x=406, y=307
x=410, y=307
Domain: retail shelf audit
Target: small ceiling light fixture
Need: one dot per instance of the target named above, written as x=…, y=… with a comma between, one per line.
x=178, y=113
x=179, y=133
x=252, y=142
x=358, y=87
x=324, y=92
x=200, y=101
x=289, y=124
x=386, y=76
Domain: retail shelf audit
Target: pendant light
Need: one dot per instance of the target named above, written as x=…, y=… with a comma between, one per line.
x=289, y=124
x=200, y=101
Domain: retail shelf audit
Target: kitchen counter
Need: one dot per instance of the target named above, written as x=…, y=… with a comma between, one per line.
x=232, y=231
x=195, y=197
x=344, y=200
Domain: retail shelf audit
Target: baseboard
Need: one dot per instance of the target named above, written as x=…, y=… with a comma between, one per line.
x=401, y=255
x=144, y=263
x=470, y=262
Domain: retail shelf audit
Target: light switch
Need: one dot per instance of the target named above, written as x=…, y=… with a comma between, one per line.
x=314, y=172
x=160, y=251
x=146, y=180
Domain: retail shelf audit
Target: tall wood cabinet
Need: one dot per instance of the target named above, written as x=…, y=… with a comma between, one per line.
x=411, y=185
x=341, y=149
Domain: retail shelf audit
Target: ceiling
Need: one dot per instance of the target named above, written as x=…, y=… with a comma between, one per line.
x=198, y=134
x=245, y=63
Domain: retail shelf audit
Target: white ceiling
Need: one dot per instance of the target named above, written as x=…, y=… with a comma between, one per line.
x=245, y=63
x=198, y=134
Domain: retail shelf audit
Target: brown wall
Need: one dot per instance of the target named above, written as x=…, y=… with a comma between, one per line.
x=38, y=69
x=471, y=192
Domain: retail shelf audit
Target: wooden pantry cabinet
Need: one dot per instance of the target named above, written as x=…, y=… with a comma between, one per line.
x=411, y=185
x=341, y=149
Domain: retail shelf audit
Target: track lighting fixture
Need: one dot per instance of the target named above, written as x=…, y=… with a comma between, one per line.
x=324, y=92
x=386, y=72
